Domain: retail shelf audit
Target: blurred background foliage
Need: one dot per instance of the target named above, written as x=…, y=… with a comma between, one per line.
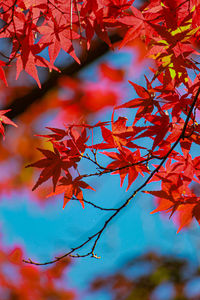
x=152, y=277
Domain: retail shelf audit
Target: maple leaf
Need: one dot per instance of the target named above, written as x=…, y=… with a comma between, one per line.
x=71, y=187
x=5, y=120
x=58, y=35
x=165, y=202
x=58, y=134
x=125, y=163
x=136, y=23
x=186, y=213
x=120, y=135
x=29, y=60
x=53, y=163
x=76, y=145
x=177, y=103
x=175, y=195
x=73, y=146
x=159, y=122
x=145, y=103
x=175, y=178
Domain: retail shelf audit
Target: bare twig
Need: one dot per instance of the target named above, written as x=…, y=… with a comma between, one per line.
x=94, y=205
x=107, y=170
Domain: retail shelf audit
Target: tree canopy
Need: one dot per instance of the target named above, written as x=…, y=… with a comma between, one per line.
x=152, y=137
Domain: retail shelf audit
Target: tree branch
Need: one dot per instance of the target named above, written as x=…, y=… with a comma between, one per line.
x=96, y=236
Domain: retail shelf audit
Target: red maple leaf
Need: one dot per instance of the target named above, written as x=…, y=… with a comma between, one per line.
x=188, y=211
x=58, y=35
x=120, y=135
x=159, y=122
x=186, y=207
x=52, y=165
x=134, y=22
x=125, y=163
x=5, y=120
x=145, y=103
x=71, y=187
x=58, y=134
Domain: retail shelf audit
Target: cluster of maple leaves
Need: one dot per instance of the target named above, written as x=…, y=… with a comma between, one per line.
x=36, y=25
x=170, y=31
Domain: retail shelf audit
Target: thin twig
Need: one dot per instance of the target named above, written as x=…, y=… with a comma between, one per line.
x=108, y=170
x=94, y=205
